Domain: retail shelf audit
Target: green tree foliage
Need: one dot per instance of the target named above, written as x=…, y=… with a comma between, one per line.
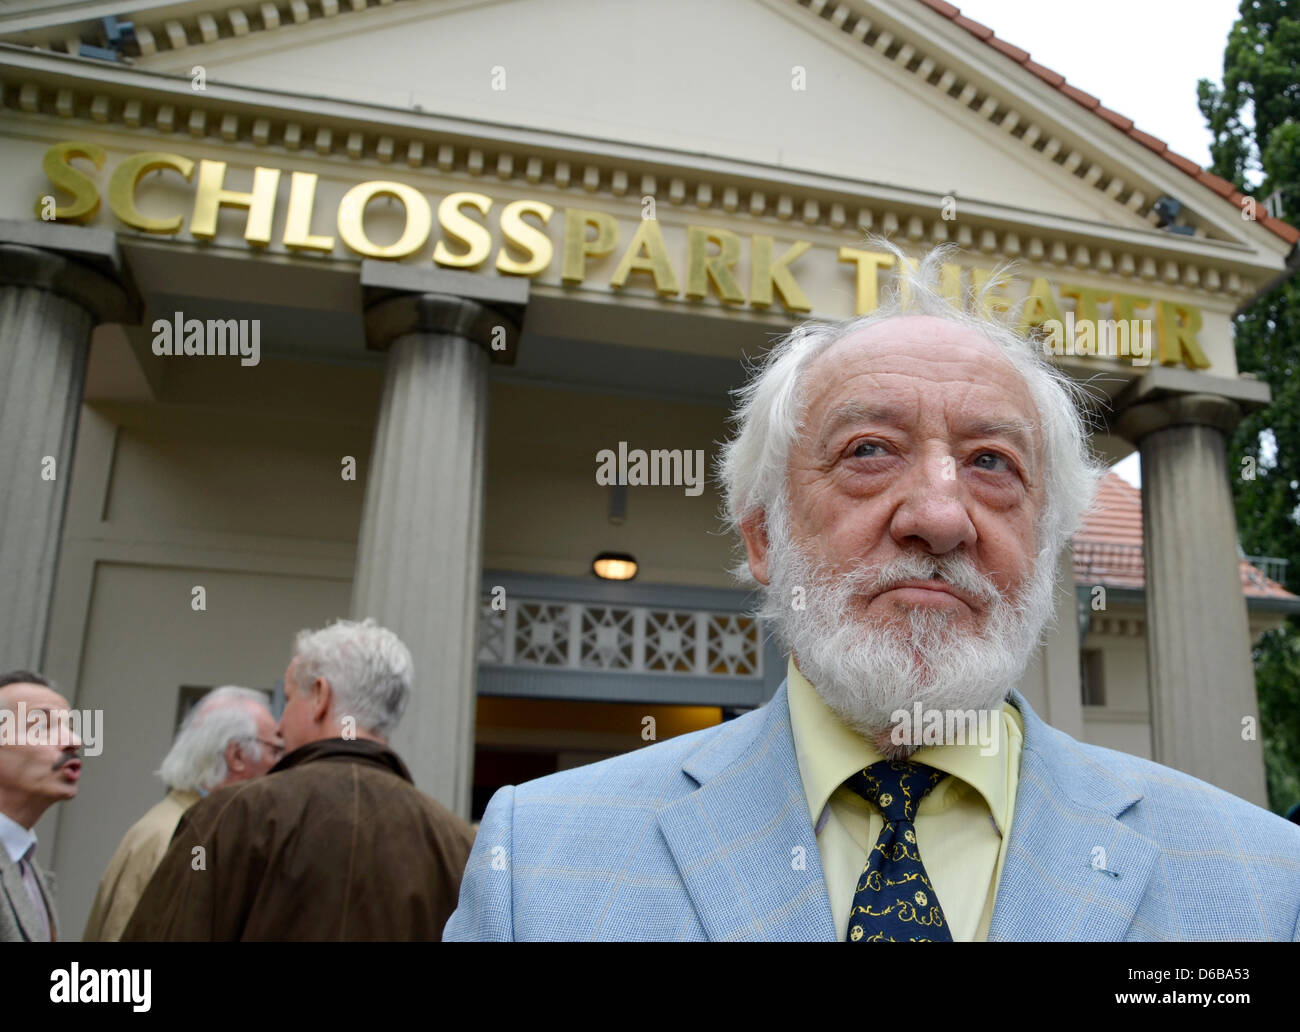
x=1255, y=118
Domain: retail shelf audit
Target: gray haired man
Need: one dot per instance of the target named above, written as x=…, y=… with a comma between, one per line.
x=337, y=844
x=228, y=736
x=904, y=485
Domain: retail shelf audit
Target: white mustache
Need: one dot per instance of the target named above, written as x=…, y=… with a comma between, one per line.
x=865, y=668
x=955, y=569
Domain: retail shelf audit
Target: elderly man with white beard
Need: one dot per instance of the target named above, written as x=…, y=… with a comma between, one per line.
x=904, y=484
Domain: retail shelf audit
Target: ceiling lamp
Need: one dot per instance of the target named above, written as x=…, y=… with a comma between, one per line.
x=614, y=566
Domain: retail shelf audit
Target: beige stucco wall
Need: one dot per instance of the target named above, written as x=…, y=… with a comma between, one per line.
x=547, y=514
x=164, y=499
x=1124, y=722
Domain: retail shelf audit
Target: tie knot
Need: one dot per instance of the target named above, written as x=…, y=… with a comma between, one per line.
x=896, y=787
x=26, y=858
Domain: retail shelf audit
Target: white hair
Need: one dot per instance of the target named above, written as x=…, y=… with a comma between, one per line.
x=367, y=667
x=753, y=463
x=196, y=761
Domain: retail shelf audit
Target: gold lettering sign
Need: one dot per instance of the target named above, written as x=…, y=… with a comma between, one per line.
x=297, y=228
x=352, y=211
x=61, y=173
x=126, y=180
x=212, y=194
x=524, y=237
x=589, y=238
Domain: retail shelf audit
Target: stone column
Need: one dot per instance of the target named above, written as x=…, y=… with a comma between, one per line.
x=1061, y=654
x=420, y=553
x=1200, y=673
x=56, y=283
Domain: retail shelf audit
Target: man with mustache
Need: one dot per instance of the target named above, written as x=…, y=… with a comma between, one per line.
x=38, y=768
x=904, y=484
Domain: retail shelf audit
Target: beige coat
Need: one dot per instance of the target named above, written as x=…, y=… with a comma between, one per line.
x=133, y=865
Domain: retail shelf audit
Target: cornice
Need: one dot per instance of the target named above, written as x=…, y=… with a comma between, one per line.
x=89, y=93
x=207, y=24
x=192, y=23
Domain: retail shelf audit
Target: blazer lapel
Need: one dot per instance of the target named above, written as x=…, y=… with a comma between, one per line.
x=743, y=841
x=19, y=901
x=49, y=891
x=1073, y=869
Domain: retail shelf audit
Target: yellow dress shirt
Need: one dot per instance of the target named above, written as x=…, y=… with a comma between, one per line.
x=962, y=825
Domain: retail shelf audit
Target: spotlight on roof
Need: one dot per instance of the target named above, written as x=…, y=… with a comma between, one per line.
x=1167, y=210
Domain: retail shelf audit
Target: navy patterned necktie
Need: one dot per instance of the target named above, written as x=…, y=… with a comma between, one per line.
x=895, y=901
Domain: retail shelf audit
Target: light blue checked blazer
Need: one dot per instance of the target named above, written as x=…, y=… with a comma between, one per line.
x=698, y=837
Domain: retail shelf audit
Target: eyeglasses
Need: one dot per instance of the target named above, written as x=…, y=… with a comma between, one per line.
x=276, y=748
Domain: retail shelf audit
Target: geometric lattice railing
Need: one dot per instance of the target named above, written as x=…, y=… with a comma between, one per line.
x=634, y=639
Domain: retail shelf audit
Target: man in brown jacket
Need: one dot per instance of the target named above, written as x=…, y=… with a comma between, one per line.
x=335, y=842
x=228, y=736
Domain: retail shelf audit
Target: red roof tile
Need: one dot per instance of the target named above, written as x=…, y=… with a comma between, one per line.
x=970, y=25
x=1046, y=74
x=1015, y=53
x=1108, y=547
x=1079, y=97
x=1217, y=183
x=1185, y=164
x=1284, y=230
x=1115, y=118
x=947, y=10
x=1147, y=140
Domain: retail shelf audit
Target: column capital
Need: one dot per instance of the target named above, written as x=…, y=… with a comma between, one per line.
x=1166, y=397
x=1137, y=421
x=401, y=299
x=84, y=265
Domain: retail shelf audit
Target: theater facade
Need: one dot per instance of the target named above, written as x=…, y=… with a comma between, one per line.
x=413, y=310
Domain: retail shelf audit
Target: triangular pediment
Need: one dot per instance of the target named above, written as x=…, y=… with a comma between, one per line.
x=736, y=79
x=890, y=96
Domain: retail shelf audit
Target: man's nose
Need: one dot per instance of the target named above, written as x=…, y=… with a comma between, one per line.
x=933, y=510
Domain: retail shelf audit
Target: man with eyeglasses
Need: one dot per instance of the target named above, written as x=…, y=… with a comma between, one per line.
x=228, y=736
x=337, y=844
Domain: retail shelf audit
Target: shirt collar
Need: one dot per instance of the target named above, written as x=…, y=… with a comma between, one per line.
x=185, y=797
x=17, y=839
x=828, y=751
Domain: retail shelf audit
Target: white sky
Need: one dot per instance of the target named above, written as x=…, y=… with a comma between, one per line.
x=1141, y=58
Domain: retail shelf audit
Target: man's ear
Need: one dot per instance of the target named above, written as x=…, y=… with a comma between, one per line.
x=322, y=697
x=754, y=530
x=235, y=763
